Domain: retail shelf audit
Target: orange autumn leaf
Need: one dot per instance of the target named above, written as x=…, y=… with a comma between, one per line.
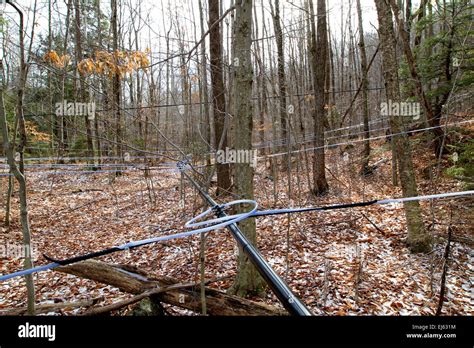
x=114, y=63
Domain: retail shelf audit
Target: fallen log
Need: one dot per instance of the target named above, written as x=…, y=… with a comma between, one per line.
x=134, y=299
x=51, y=307
x=132, y=280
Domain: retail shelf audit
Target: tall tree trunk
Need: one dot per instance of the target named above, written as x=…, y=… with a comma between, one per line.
x=185, y=85
x=19, y=173
x=82, y=87
x=116, y=85
x=103, y=85
x=433, y=119
x=206, y=123
x=418, y=238
x=259, y=66
x=50, y=77
x=62, y=121
x=319, y=58
x=206, y=134
x=281, y=74
x=248, y=279
x=365, y=95
x=168, y=63
x=218, y=97
x=20, y=177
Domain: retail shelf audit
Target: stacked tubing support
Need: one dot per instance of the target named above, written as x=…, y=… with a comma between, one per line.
x=291, y=303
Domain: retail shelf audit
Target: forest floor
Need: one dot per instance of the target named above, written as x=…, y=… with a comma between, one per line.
x=344, y=262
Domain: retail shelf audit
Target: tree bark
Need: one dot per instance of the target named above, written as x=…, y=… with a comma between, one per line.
x=433, y=119
x=365, y=96
x=319, y=59
x=206, y=123
x=103, y=85
x=418, y=238
x=116, y=85
x=248, y=279
x=82, y=87
x=20, y=177
x=19, y=172
x=284, y=122
x=218, y=96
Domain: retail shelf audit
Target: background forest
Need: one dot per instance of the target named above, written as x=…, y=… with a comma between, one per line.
x=338, y=101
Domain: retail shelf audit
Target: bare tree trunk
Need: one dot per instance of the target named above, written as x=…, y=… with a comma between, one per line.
x=82, y=87
x=218, y=97
x=103, y=84
x=433, y=119
x=11, y=183
x=248, y=279
x=204, y=130
x=206, y=123
x=418, y=238
x=184, y=98
x=281, y=74
x=50, y=77
x=259, y=52
x=9, y=152
x=19, y=173
x=63, y=131
x=116, y=85
x=319, y=58
x=365, y=95
x=8, y=202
